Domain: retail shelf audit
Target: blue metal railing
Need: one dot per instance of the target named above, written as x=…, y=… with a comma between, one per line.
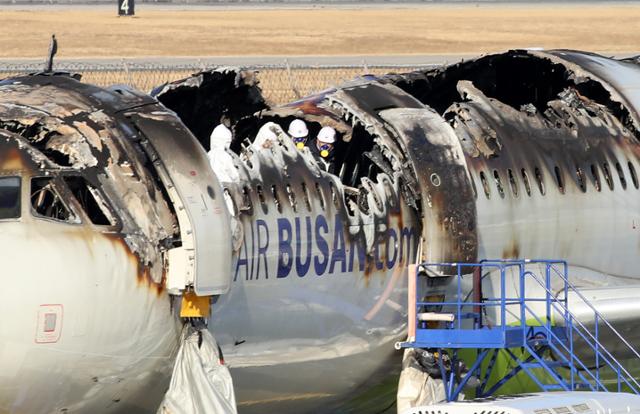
x=533, y=314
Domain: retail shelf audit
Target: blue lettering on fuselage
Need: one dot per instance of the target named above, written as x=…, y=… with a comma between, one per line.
x=320, y=264
x=318, y=246
x=304, y=247
x=285, y=255
x=262, y=232
x=338, y=253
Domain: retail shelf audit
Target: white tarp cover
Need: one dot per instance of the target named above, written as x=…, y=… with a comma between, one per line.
x=200, y=384
x=416, y=387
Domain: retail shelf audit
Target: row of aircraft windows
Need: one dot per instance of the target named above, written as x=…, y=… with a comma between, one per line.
x=581, y=178
x=47, y=202
x=291, y=197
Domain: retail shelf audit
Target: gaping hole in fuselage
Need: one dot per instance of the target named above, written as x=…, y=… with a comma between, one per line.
x=351, y=161
x=90, y=200
x=47, y=202
x=514, y=78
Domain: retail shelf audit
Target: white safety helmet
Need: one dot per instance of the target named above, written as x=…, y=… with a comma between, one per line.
x=327, y=135
x=298, y=129
x=220, y=137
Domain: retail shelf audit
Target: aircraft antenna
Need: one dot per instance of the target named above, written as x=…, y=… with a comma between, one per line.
x=53, y=49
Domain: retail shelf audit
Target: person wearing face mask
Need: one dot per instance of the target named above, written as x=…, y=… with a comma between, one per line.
x=323, y=150
x=299, y=133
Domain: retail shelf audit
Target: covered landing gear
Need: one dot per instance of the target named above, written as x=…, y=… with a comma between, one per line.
x=200, y=382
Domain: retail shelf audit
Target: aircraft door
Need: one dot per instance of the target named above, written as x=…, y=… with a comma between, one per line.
x=204, y=258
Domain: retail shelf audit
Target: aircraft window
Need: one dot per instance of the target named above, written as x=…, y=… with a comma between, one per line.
x=320, y=196
x=90, y=200
x=276, y=198
x=473, y=186
x=596, y=177
x=559, y=179
x=9, y=197
x=211, y=193
x=334, y=195
x=582, y=182
x=389, y=190
x=292, y=198
x=634, y=177
x=539, y=179
x=46, y=201
x=525, y=179
x=513, y=182
x=230, y=201
x=485, y=185
x=607, y=175
x=355, y=200
x=496, y=176
x=307, y=198
x=246, y=200
x=623, y=180
x=263, y=203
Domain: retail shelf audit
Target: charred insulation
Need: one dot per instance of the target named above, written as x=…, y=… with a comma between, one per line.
x=38, y=136
x=209, y=98
x=516, y=78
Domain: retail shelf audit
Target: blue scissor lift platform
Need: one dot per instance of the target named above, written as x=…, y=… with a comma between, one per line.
x=531, y=323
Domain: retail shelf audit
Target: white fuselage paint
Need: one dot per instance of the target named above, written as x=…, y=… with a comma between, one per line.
x=319, y=331
x=291, y=342
x=598, y=230
x=118, y=332
x=114, y=335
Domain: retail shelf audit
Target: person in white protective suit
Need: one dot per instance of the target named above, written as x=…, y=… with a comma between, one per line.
x=219, y=156
x=266, y=136
x=223, y=167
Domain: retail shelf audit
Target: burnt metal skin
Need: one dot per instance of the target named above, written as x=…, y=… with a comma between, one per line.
x=114, y=332
x=320, y=269
x=433, y=134
x=551, y=147
x=568, y=120
x=317, y=298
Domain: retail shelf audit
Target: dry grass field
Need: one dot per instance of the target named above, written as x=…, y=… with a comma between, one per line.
x=432, y=29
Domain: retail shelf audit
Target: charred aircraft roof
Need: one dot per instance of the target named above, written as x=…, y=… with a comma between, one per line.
x=75, y=128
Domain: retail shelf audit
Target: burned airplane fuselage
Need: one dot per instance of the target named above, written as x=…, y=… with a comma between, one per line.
x=522, y=154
